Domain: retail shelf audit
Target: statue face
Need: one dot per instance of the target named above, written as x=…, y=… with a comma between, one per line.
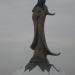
x=41, y=1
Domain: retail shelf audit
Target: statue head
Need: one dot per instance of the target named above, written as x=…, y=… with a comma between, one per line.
x=41, y=2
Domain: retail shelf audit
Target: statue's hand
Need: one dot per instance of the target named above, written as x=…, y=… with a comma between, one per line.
x=51, y=14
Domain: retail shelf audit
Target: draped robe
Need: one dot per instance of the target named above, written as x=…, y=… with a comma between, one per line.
x=39, y=42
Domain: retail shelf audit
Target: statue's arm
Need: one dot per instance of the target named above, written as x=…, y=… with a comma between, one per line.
x=34, y=8
x=47, y=11
x=50, y=13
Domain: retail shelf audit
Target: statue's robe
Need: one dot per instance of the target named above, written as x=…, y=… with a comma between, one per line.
x=39, y=43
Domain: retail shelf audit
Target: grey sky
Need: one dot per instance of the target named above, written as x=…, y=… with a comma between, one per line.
x=20, y=7
x=16, y=26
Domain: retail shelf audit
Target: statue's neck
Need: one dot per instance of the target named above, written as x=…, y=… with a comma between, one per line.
x=40, y=4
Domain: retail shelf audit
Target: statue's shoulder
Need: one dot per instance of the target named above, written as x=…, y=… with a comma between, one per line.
x=36, y=8
x=45, y=7
x=40, y=10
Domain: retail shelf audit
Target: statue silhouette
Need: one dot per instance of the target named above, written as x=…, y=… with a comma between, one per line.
x=41, y=50
x=39, y=15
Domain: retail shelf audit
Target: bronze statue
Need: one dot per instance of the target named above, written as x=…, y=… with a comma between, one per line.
x=41, y=50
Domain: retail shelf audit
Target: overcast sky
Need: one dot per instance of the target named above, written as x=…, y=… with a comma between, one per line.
x=16, y=20
x=16, y=25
